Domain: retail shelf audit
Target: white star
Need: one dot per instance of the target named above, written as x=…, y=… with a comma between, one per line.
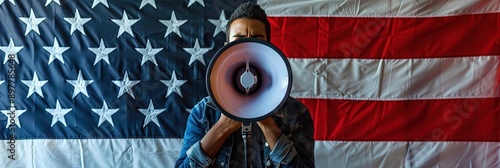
x=34, y=85
x=145, y=2
x=193, y=1
x=11, y=49
x=58, y=114
x=125, y=24
x=148, y=53
x=56, y=1
x=11, y=1
x=151, y=114
x=80, y=85
x=96, y=2
x=77, y=23
x=126, y=85
x=196, y=53
x=32, y=23
x=1, y=82
x=105, y=114
x=13, y=112
x=173, y=25
x=220, y=24
x=55, y=51
x=102, y=52
x=174, y=85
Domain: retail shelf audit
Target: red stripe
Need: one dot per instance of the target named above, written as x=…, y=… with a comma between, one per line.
x=341, y=37
x=415, y=120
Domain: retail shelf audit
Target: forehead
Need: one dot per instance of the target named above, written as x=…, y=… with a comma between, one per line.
x=244, y=24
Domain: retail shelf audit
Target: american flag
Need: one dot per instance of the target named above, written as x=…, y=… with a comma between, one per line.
x=110, y=83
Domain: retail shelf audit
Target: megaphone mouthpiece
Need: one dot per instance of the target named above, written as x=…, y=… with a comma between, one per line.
x=247, y=79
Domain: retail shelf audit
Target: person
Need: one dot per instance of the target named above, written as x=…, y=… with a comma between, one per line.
x=212, y=139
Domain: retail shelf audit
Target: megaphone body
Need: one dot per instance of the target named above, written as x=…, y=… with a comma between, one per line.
x=249, y=79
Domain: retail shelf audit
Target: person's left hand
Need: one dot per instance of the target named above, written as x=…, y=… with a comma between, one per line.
x=268, y=122
x=271, y=131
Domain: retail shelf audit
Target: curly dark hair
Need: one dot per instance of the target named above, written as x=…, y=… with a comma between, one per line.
x=250, y=10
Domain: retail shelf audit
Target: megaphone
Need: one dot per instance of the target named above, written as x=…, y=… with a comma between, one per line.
x=249, y=79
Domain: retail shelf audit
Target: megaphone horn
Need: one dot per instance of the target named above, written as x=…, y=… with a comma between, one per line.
x=249, y=79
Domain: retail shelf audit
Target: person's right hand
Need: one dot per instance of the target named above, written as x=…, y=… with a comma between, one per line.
x=213, y=140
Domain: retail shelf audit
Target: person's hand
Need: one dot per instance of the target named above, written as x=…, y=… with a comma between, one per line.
x=271, y=131
x=214, y=139
x=266, y=123
x=229, y=125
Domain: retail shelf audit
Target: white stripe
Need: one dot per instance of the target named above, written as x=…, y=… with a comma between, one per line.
x=383, y=8
x=406, y=154
x=396, y=79
x=91, y=153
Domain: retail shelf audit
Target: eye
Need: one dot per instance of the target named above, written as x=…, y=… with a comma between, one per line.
x=239, y=36
x=259, y=36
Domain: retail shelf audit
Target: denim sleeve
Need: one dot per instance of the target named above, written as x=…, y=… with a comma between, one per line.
x=295, y=147
x=191, y=154
x=283, y=152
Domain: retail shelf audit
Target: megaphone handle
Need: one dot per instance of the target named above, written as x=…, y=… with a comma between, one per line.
x=246, y=132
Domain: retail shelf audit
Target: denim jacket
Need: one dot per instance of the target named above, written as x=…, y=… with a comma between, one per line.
x=295, y=148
